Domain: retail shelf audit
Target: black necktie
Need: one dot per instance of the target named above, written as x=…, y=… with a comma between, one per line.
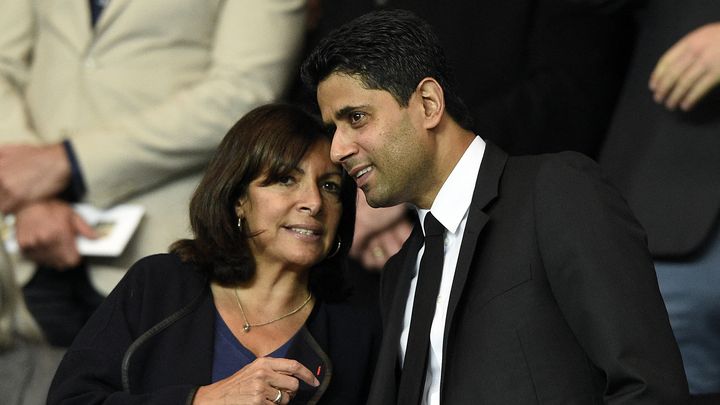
x=412, y=379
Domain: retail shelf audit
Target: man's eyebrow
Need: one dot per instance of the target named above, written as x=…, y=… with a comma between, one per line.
x=341, y=114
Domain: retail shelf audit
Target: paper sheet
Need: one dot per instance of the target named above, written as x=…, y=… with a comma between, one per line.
x=115, y=226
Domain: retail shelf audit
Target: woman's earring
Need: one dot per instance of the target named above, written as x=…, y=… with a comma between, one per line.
x=240, y=223
x=337, y=249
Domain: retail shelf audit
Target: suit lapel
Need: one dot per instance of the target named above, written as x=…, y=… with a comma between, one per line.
x=384, y=387
x=486, y=190
x=309, y=349
x=71, y=20
x=111, y=12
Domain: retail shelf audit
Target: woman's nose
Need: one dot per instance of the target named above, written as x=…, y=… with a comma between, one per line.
x=310, y=200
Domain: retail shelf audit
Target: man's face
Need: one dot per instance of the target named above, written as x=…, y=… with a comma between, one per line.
x=377, y=141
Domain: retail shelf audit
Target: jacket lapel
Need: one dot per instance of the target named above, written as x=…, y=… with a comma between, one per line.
x=486, y=190
x=308, y=349
x=71, y=20
x=384, y=386
x=111, y=12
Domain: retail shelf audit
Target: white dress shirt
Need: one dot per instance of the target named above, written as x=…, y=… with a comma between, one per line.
x=451, y=207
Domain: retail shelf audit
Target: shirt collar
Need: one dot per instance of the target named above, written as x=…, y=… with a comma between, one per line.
x=453, y=199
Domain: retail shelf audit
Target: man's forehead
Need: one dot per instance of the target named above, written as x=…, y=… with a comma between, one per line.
x=336, y=81
x=336, y=94
x=338, y=91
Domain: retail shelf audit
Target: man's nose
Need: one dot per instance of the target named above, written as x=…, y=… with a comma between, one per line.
x=342, y=148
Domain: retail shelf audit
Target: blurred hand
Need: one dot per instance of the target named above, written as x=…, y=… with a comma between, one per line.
x=257, y=383
x=379, y=233
x=29, y=173
x=384, y=244
x=689, y=69
x=46, y=232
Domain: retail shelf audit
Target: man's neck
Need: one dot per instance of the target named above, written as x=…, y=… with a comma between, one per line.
x=452, y=142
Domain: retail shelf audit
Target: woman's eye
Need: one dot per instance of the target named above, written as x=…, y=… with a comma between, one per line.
x=331, y=187
x=286, y=180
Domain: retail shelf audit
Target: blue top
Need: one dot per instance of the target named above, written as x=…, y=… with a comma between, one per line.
x=230, y=355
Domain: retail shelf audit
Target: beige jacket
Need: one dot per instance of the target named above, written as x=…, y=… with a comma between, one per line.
x=144, y=97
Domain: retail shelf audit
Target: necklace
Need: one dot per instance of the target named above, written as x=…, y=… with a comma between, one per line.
x=247, y=325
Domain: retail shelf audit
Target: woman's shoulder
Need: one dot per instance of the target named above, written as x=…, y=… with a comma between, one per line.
x=165, y=269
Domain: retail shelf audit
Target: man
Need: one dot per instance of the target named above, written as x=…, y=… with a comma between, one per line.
x=544, y=291
x=523, y=65
x=662, y=151
x=119, y=101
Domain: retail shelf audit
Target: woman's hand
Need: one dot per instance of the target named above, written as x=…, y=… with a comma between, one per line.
x=260, y=382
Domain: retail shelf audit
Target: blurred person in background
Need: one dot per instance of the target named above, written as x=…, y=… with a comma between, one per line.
x=27, y=363
x=118, y=101
x=663, y=152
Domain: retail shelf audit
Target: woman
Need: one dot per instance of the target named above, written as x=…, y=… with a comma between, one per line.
x=250, y=311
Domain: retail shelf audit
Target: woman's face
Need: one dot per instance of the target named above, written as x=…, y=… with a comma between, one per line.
x=293, y=222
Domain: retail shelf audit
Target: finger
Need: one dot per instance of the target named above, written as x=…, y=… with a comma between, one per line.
x=60, y=250
x=83, y=228
x=67, y=257
x=668, y=79
x=285, y=396
x=57, y=256
x=666, y=61
x=65, y=251
x=393, y=241
x=284, y=382
x=684, y=84
x=276, y=396
x=293, y=368
x=698, y=91
x=374, y=257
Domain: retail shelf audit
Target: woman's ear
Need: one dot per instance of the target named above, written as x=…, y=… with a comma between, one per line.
x=433, y=101
x=239, y=208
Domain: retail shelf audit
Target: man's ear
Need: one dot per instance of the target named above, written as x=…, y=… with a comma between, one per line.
x=433, y=101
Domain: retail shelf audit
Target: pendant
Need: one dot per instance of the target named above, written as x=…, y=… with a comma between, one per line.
x=246, y=327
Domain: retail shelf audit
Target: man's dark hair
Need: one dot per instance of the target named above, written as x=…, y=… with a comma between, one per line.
x=390, y=50
x=269, y=142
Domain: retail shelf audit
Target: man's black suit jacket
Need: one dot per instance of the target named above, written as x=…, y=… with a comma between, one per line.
x=554, y=298
x=667, y=163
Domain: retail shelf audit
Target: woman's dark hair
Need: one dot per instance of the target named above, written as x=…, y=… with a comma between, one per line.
x=390, y=50
x=269, y=141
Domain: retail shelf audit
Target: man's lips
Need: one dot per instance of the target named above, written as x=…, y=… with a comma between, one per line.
x=363, y=171
x=360, y=174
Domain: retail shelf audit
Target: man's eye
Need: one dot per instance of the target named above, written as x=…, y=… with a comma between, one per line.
x=356, y=117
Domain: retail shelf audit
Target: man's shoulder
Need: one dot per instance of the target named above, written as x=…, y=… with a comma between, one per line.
x=555, y=159
x=558, y=165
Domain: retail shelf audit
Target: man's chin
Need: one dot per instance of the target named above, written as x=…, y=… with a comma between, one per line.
x=378, y=201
